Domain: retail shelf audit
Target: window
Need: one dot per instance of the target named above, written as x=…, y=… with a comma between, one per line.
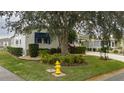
x=20, y=41
x=42, y=38
x=16, y=42
x=46, y=41
x=112, y=44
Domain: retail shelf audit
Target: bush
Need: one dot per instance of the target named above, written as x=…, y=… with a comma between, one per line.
x=42, y=50
x=48, y=59
x=77, y=50
x=99, y=49
x=72, y=50
x=94, y=49
x=116, y=51
x=15, y=51
x=33, y=50
x=89, y=49
x=55, y=50
x=105, y=49
x=68, y=60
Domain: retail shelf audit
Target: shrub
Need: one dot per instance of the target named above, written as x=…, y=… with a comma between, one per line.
x=72, y=50
x=89, y=49
x=68, y=60
x=48, y=59
x=116, y=51
x=105, y=50
x=77, y=50
x=94, y=49
x=98, y=50
x=110, y=49
x=15, y=51
x=33, y=50
x=55, y=50
x=52, y=50
x=43, y=50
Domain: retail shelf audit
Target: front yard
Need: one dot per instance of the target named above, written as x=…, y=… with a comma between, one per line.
x=34, y=70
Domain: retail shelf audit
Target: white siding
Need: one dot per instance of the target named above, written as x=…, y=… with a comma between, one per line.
x=31, y=39
x=95, y=44
x=19, y=41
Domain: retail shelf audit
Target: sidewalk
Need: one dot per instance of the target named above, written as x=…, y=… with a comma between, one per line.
x=6, y=75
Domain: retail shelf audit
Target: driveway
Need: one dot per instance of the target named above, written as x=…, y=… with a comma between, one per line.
x=113, y=76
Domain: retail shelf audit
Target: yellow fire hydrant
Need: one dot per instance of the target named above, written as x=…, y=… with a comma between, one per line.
x=57, y=68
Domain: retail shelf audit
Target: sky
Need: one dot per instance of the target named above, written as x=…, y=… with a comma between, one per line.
x=3, y=32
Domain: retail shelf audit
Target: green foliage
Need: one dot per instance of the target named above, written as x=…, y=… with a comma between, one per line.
x=89, y=49
x=77, y=50
x=99, y=49
x=94, y=49
x=68, y=60
x=15, y=51
x=72, y=36
x=55, y=50
x=33, y=50
x=43, y=50
x=116, y=51
x=49, y=59
x=49, y=51
x=60, y=23
x=35, y=71
x=105, y=49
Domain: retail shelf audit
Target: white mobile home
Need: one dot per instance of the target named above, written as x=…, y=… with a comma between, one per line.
x=42, y=38
x=93, y=43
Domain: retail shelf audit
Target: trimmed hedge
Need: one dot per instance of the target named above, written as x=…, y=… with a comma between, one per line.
x=89, y=49
x=33, y=50
x=50, y=51
x=42, y=50
x=15, y=51
x=116, y=51
x=94, y=49
x=77, y=50
x=55, y=50
x=68, y=60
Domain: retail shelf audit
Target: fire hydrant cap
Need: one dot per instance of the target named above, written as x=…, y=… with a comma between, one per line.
x=57, y=63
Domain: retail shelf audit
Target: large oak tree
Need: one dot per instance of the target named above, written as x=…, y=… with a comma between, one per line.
x=59, y=23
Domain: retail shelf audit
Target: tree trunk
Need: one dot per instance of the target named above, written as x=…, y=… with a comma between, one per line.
x=59, y=40
x=64, y=43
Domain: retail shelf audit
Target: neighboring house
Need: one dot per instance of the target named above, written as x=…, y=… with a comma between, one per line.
x=4, y=42
x=93, y=43
x=42, y=38
x=82, y=40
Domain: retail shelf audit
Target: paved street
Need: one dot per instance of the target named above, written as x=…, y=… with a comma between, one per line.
x=6, y=75
x=116, y=75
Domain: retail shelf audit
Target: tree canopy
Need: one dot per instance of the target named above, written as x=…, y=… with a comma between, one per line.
x=100, y=24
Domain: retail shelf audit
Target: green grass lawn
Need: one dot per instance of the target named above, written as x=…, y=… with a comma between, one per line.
x=32, y=70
